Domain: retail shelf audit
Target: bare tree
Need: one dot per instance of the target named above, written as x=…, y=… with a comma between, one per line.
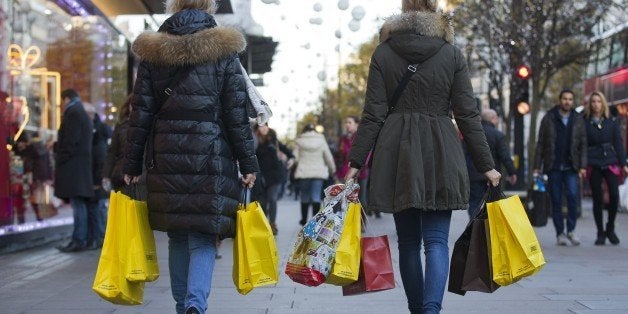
x=547, y=35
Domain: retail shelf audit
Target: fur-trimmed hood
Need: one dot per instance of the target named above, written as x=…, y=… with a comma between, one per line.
x=189, y=37
x=430, y=24
x=416, y=36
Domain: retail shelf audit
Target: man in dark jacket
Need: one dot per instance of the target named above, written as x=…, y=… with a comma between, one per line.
x=73, y=165
x=561, y=152
x=501, y=156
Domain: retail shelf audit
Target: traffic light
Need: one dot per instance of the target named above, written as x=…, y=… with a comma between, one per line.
x=521, y=90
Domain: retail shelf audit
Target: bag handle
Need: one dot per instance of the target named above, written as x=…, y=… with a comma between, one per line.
x=245, y=196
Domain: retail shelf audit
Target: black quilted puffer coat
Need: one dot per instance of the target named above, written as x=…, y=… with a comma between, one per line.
x=199, y=132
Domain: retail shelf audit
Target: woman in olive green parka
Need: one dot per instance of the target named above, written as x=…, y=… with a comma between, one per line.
x=418, y=169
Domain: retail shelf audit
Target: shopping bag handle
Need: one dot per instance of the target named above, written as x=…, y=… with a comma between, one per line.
x=245, y=196
x=492, y=194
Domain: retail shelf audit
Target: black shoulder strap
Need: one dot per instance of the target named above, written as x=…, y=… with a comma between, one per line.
x=161, y=98
x=169, y=90
x=402, y=85
x=404, y=82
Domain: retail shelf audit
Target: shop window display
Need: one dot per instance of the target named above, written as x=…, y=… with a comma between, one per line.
x=45, y=47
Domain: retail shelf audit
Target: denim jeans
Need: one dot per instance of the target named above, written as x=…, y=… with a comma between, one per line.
x=425, y=295
x=79, y=206
x=270, y=206
x=311, y=190
x=566, y=180
x=97, y=220
x=191, y=259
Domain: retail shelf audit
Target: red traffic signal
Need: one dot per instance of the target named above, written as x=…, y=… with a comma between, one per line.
x=523, y=72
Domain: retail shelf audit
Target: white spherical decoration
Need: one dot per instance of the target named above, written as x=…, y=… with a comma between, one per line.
x=354, y=25
x=316, y=21
x=285, y=79
x=318, y=7
x=343, y=4
x=322, y=76
x=338, y=34
x=358, y=13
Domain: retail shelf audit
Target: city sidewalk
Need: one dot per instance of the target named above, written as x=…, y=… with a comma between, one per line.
x=584, y=279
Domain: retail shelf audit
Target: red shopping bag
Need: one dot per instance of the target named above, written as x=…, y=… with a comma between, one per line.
x=376, y=271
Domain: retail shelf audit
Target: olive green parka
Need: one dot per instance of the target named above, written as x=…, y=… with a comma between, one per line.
x=418, y=161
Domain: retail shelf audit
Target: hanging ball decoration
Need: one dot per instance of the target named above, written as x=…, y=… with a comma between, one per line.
x=318, y=7
x=285, y=79
x=343, y=4
x=316, y=21
x=358, y=13
x=307, y=46
x=354, y=25
x=338, y=34
x=269, y=1
x=322, y=76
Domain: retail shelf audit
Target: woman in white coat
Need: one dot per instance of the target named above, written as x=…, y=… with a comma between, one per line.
x=314, y=164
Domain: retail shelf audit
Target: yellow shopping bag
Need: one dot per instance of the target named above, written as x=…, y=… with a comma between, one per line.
x=110, y=282
x=142, y=258
x=346, y=267
x=256, y=259
x=240, y=273
x=515, y=249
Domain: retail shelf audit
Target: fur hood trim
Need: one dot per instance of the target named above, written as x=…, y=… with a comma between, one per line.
x=208, y=45
x=431, y=24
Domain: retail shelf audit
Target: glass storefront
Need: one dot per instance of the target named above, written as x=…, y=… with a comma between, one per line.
x=46, y=47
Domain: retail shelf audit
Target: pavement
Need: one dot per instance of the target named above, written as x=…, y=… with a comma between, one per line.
x=583, y=279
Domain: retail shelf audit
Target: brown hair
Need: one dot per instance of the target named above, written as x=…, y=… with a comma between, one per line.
x=605, y=110
x=418, y=5
x=174, y=6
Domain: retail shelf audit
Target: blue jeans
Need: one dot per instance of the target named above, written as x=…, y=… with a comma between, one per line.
x=566, y=180
x=79, y=207
x=311, y=190
x=413, y=226
x=191, y=259
x=97, y=219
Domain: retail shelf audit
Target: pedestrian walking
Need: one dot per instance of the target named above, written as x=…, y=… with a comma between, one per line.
x=189, y=111
x=501, y=157
x=606, y=159
x=315, y=164
x=38, y=170
x=418, y=171
x=272, y=170
x=73, y=166
x=112, y=173
x=342, y=160
x=97, y=205
x=561, y=153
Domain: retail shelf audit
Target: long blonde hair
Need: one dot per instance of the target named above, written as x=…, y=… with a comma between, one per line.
x=418, y=5
x=605, y=110
x=174, y=6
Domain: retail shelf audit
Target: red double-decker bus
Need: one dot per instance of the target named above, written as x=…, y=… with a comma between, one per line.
x=607, y=71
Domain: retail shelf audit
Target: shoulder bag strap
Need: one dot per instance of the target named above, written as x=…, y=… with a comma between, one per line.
x=161, y=99
x=404, y=82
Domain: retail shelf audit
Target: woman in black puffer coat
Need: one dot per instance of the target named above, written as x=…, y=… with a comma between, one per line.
x=189, y=110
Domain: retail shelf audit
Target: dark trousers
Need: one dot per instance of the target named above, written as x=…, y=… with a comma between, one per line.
x=597, y=175
x=477, y=189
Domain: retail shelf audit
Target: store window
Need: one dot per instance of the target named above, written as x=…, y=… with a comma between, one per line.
x=44, y=50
